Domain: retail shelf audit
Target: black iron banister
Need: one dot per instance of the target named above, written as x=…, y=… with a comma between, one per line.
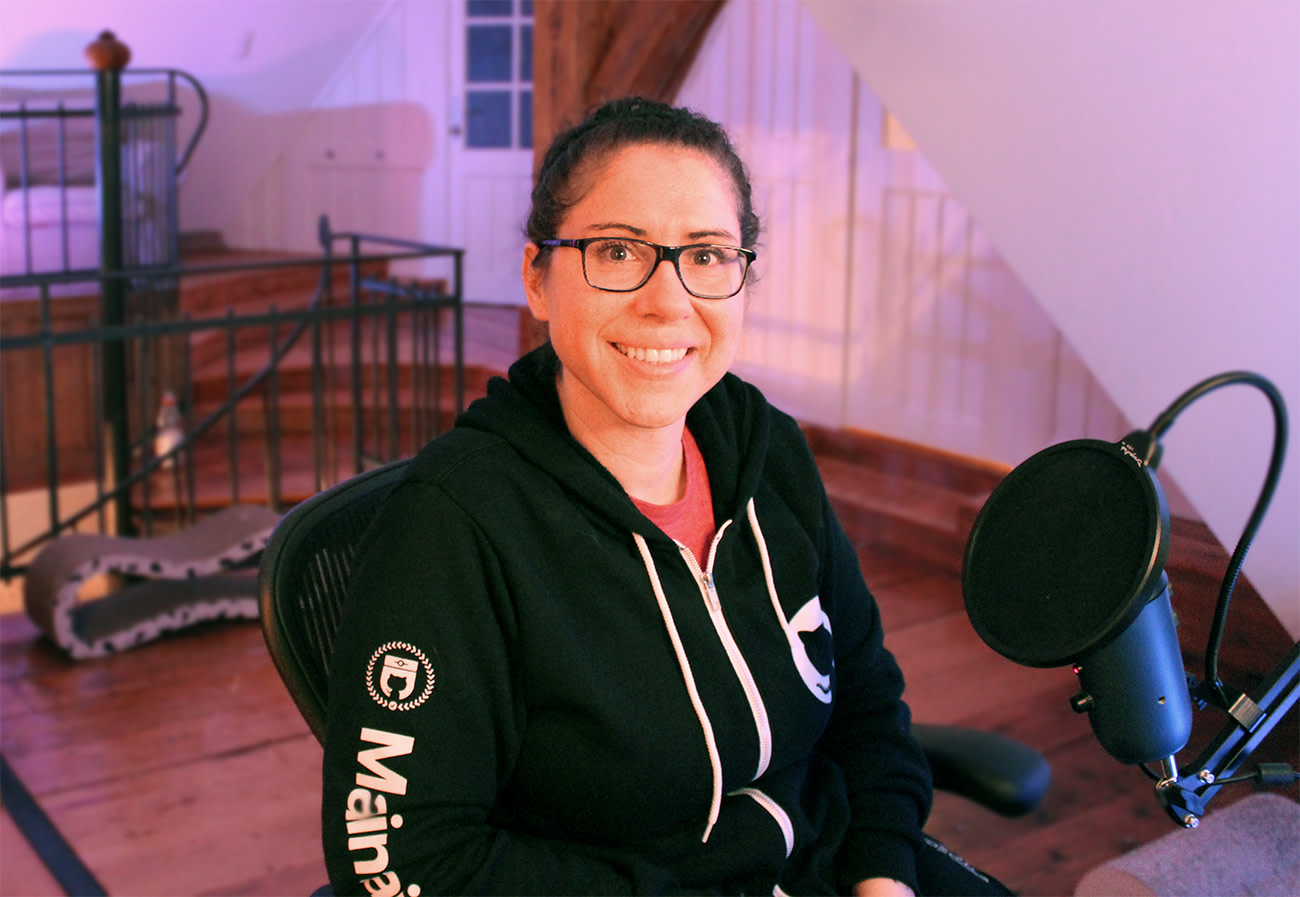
x=399, y=299
x=301, y=319
x=172, y=107
x=108, y=167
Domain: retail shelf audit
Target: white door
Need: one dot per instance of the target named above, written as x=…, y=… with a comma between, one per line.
x=490, y=142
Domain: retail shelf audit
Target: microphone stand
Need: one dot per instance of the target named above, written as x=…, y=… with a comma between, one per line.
x=1184, y=795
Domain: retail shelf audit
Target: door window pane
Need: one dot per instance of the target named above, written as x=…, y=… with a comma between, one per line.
x=489, y=53
x=488, y=119
x=490, y=7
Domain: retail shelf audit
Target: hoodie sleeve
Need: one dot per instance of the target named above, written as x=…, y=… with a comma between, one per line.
x=868, y=735
x=424, y=725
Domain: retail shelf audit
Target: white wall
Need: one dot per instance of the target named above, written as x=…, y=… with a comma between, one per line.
x=1138, y=163
x=370, y=147
x=877, y=301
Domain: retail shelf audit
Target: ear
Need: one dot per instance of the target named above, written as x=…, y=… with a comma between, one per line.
x=534, y=284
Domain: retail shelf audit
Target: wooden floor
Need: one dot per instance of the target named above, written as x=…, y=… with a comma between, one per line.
x=182, y=767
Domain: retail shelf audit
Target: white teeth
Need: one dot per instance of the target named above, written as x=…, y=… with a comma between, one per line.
x=652, y=356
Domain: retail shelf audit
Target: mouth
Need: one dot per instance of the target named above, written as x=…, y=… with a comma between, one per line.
x=652, y=356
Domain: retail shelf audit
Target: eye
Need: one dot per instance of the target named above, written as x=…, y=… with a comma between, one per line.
x=708, y=256
x=612, y=251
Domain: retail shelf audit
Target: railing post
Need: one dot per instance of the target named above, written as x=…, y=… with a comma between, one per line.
x=108, y=56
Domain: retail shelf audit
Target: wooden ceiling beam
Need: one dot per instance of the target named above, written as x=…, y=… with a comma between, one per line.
x=588, y=51
x=652, y=49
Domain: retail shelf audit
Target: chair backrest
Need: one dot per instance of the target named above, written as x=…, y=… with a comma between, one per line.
x=303, y=579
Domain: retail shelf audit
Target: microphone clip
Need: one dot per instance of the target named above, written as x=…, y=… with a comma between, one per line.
x=1184, y=805
x=1243, y=710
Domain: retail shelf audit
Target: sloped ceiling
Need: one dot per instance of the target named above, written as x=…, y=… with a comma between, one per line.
x=1138, y=163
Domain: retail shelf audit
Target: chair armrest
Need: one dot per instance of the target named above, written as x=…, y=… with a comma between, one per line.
x=997, y=772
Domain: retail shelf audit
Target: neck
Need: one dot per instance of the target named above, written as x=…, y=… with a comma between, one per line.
x=647, y=462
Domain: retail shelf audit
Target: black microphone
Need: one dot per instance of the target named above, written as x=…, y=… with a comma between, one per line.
x=1065, y=565
x=1135, y=690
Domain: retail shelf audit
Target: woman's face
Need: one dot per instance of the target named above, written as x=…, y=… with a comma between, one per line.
x=639, y=359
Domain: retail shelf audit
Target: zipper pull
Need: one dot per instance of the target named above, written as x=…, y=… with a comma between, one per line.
x=710, y=590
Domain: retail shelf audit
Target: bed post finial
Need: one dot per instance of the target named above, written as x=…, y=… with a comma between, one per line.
x=107, y=53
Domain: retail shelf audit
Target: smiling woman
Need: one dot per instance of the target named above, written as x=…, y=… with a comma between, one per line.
x=649, y=662
x=633, y=362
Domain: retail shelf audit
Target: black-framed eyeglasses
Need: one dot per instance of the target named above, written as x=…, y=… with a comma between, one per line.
x=622, y=264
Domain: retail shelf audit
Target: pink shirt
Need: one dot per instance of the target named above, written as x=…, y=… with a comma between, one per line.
x=689, y=521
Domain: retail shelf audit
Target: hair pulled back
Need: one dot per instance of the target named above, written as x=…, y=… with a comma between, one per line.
x=627, y=122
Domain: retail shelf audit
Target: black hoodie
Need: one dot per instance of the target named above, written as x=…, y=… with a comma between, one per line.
x=535, y=690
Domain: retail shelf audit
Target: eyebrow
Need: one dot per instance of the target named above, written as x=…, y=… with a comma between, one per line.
x=641, y=232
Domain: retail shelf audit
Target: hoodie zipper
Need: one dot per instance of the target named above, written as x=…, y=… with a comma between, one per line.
x=709, y=591
x=684, y=664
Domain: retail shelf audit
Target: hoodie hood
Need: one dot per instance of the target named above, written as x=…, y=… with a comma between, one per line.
x=730, y=423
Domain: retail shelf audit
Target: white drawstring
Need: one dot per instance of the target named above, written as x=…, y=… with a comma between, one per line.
x=752, y=513
x=715, y=761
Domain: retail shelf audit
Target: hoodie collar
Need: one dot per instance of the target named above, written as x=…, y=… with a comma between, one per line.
x=730, y=424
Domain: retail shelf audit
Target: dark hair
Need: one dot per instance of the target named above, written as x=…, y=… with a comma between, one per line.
x=626, y=122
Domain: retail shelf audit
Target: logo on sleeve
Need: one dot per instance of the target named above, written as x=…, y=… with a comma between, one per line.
x=398, y=671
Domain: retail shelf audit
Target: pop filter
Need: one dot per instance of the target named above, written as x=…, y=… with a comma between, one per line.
x=1066, y=552
x=1065, y=565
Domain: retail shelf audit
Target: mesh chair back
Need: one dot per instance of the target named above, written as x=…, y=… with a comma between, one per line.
x=303, y=579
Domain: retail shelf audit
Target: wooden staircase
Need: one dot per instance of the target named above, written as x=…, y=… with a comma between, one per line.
x=312, y=386
x=904, y=498
x=908, y=499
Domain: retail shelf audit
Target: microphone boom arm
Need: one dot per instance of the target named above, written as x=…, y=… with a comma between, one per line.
x=1218, y=694
x=1184, y=796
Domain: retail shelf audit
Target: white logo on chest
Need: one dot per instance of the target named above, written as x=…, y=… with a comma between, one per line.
x=811, y=628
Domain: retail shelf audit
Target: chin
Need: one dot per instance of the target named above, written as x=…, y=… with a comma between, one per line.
x=658, y=417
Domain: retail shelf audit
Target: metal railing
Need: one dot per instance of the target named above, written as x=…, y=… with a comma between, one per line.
x=366, y=370
x=69, y=136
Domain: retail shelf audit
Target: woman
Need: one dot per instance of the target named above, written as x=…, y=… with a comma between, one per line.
x=607, y=636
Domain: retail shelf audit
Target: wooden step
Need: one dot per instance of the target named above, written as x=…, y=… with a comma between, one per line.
x=490, y=345
x=250, y=349
x=909, y=460
x=247, y=476
x=900, y=497
x=254, y=291
x=923, y=522
x=296, y=407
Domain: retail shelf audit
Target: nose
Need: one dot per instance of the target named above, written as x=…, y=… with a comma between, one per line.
x=663, y=295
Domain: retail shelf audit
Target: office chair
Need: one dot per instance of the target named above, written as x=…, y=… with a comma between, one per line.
x=303, y=579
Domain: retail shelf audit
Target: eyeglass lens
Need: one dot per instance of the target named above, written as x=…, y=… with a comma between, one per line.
x=708, y=271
